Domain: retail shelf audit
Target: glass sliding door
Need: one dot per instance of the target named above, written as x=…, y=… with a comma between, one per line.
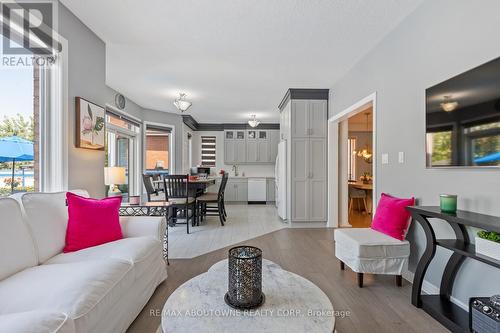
x=122, y=151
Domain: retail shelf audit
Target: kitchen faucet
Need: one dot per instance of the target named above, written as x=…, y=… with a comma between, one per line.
x=235, y=169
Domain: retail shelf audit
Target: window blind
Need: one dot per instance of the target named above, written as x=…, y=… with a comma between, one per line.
x=208, y=151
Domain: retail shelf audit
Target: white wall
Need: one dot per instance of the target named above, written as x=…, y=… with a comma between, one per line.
x=250, y=170
x=441, y=39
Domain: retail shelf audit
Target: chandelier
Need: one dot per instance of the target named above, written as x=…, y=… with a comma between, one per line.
x=253, y=122
x=181, y=103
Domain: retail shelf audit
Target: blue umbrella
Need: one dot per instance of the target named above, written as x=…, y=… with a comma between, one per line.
x=14, y=148
x=488, y=158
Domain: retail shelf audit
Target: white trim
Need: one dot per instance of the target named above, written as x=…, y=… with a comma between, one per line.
x=118, y=111
x=54, y=129
x=333, y=158
x=171, y=154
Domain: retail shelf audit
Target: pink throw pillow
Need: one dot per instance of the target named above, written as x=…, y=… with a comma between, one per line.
x=391, y=217
x=91, y=222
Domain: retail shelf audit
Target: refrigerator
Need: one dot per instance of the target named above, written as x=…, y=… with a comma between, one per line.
x=281, y=181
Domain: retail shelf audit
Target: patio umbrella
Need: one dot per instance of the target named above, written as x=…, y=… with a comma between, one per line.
x=488, y=158
x=15, y=149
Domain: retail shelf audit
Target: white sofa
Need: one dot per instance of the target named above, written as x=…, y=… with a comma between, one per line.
x=99, y=289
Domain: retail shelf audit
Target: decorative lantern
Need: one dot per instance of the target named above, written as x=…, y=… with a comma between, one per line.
x=245, y=278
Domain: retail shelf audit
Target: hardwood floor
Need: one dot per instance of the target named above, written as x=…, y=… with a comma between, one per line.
x=358, y=219
x=378, y=307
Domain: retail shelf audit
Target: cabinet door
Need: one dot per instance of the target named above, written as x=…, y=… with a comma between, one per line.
x=300, y=179
x=229, y=151
x=252, y=151
x=230, y=194
x=271, y=190
x=300, y=119
x=263, y=154
x=317, y=192
x=273, y=145
x=242, y=191
x=240, y=151
x=317, y=118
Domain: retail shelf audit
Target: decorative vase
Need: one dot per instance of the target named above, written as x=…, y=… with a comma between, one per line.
x=448, y=203
x=245, y=278
x=488, y=248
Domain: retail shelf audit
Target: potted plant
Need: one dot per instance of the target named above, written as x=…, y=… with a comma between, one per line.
x=488, y=244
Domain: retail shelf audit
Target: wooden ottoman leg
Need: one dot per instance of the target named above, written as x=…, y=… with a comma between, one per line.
x=342, y=265
x=360, y=280
x=399, y=280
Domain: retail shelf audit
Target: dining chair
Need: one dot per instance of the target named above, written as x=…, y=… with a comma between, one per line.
x=176, y=189
x=149, y=186
x=358, y=195
x=219, y=210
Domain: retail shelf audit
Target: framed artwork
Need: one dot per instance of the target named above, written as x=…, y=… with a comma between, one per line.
x=90, y=121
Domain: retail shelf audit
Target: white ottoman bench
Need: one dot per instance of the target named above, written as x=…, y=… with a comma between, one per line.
x=365, y=250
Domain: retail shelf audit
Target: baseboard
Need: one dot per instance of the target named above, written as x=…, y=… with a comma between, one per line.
x=431, y=289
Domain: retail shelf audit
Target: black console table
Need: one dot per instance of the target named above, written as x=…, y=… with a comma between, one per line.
x=439, y=306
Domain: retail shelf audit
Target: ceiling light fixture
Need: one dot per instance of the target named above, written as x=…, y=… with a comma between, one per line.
x=448, y=105
x=181, y=103
x=253, y=122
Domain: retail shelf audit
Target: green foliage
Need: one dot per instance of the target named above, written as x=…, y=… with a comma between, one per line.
x=441, y=147
x=489, y=235
x=18, y=125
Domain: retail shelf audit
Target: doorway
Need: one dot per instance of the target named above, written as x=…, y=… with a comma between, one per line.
x=352, y=165
x=360, y=167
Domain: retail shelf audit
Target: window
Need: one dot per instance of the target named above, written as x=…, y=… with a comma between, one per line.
x=157, y=149
x=122, y=149
x=351, y=160
x=208, y=149
x=33, y=106
x=19, y=116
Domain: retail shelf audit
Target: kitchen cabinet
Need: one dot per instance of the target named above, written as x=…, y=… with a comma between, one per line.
x=234, y=146
x=251, y=147
x=271, y=190
x=236, y=190
x=305, y=125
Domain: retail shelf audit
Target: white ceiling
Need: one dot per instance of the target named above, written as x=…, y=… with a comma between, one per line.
x=233, y=57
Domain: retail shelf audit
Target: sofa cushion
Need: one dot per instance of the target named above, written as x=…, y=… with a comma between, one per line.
x=47, y=217
x=139, y=251
x=83, y=290
x=40, y=321
x=369, y=243
x=17, y=250
x=92, y=222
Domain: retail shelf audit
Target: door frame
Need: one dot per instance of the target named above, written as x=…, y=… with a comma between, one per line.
x=334, y=200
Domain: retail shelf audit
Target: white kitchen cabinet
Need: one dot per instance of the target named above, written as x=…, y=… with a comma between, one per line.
x=234, y=146
x=236, y=190
x=307, y=154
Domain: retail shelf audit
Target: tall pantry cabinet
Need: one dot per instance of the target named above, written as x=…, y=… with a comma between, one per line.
x=303, y=125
